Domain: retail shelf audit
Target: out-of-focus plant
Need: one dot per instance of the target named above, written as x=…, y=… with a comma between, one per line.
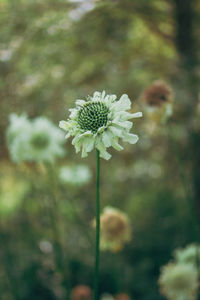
x=38, y=140
x=190, y=254
x=81, y=292
x=179, y=279
x=75, y=175
x=158, y=105
x=122, y=296
x=115, y=229
x=12, y=193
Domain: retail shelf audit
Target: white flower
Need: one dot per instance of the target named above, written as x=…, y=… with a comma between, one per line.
x=17, y=135
x=18, y=124
x=75, y=175
x=38, y=140
x=188, y=254
x=99, y=123
x=179, y=281
x=45, y=141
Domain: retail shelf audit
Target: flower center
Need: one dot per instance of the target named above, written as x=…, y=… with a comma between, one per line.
x=40, y=141
x=92, y=116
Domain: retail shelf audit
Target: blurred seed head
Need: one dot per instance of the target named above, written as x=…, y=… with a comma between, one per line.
x=179, y=281
x=157, y=93
x=115, y=229
x=81, y=292
x=157, y=102
x=122, y=296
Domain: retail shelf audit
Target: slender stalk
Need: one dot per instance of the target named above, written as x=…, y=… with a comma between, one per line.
x=96, y=275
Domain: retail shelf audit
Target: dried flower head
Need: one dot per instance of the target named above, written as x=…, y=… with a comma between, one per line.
x=122, y=296
x=157, y=93
x=99, y=122
x=81, y=292
x=179, y=281
x=115, y=229
x=38, y=140
x=158, y=104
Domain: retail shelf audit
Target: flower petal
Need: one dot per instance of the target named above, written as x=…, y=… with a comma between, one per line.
x=115, y=131
x=123, y=103
x=80, y=102
x=136, y=115
x=116, y=145
x=125, y=124
x=88, y=144
x=64, y=125
x=84, y=153
x=67, y=135
x=106, y=138
x=131, y=138
x=73, y=113
x=102, y=149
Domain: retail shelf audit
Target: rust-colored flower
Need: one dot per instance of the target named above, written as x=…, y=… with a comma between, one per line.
x=157, y=93
x=81, y=292
x=122, y=296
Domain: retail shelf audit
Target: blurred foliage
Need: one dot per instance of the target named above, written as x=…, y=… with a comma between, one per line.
x=53, y=52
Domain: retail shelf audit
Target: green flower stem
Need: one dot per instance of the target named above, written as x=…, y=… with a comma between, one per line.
x=96, y=275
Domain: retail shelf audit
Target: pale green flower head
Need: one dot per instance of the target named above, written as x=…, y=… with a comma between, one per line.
x=46, y=141
x=75, y=175
x=188, y=254
x=18, y=124
x=100, y=122
x=179, y=281
x=17, y=134
x=36, y=141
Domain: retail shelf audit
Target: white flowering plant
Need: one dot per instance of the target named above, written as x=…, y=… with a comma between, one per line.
x=99, y=122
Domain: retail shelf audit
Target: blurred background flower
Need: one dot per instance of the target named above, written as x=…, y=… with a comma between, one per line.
x=75, y=175
x=157, y=103
x=115, y=229
x=188, y=255
x=38, y=140
x=179, y=281
x=122, y=296
x=81, y=292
